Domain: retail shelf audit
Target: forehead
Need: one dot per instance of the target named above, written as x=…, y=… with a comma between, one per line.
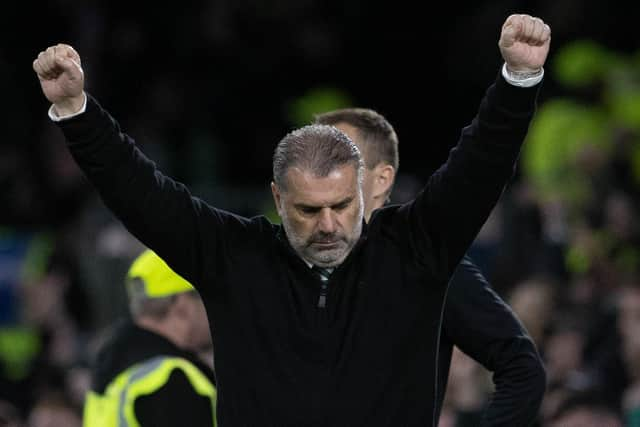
x=354, y=134
x=351, y=131
x=304, y=187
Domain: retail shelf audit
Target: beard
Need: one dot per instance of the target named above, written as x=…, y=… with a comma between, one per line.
x=323, y=249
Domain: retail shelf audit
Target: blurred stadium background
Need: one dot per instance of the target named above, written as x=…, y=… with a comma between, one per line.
x=208, y=88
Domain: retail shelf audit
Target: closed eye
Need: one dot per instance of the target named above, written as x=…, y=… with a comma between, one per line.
x=342, y=205
x=309, y=210
x=312, y=210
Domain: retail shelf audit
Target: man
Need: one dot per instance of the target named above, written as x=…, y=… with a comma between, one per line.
x=293, y=345
x=475, y=317
x=148, y=373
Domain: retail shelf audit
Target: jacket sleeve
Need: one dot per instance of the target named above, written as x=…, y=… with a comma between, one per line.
x=447, y=214
x=159, y=211
x=174, y=404
x=483, y=326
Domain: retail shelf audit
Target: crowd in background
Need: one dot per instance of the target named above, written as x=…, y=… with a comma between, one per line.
x=562, y=246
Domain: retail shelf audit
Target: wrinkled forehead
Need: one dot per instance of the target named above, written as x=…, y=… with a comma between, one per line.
x=304, y=186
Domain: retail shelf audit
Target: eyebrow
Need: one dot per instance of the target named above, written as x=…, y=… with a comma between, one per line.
x=343, y=202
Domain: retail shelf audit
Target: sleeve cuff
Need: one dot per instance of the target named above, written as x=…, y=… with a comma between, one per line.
x=54, y=116
x=519, y=81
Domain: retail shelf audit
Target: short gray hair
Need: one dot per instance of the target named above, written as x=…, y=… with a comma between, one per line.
x=141, y=305
x=316, y=148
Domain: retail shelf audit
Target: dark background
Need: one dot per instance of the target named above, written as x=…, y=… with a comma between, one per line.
x=208, y=88
x=226, y=72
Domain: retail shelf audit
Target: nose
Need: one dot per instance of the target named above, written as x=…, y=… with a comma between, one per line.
x=327, y=221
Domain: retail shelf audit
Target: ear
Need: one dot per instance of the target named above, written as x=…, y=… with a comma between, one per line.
x=276, y=196
x=383, y=176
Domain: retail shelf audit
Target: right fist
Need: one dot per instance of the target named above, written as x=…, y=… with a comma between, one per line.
x=61, y=77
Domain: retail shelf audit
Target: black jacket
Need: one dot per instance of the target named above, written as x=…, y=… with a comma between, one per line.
x=368, y=357
x=482, y=325
x=176, y=403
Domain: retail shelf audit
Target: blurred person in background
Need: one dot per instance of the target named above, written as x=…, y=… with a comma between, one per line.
x=53, y=410
x=475, y=318
x=43, y=320
x=468, y=388
x=533, y=300
x=563, y=354
x=9, y=415
x=585, y=410
x=148, y=371
x=307, y=329
x=629, y=329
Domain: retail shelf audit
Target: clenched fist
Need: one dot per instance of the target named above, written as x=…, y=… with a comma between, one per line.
x=61, y=78
x=524, y=43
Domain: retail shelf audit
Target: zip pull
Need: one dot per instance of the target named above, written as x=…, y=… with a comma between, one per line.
x=322, y=300
x=323, y=274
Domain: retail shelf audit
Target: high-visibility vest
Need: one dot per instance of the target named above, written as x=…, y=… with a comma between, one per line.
x=115, y=408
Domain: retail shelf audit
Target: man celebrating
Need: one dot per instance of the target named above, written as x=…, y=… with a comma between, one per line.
x=325, y=320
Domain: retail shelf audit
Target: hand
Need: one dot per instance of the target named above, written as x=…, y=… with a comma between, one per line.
x=524, y=43
x=61, y=78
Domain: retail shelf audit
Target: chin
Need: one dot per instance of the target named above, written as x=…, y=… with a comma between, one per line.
x=328, y=259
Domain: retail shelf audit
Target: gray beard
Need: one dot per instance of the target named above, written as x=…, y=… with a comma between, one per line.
x=325, y=258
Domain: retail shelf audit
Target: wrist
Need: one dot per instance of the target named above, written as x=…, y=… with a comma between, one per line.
x=522, y=74
x=69, y=106
x=522, y=78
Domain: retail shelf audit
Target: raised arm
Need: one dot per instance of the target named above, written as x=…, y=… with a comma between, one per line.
x=157, y=210
x=447, y=215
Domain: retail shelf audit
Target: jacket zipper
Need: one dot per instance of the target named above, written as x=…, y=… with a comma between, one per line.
x=322, y=300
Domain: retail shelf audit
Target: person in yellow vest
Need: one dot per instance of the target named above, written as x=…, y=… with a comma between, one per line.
x=148, y=373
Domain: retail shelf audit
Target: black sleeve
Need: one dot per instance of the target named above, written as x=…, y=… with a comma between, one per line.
x=175, y=404
x=483, y=326
x=159, y=211
x=447, y=214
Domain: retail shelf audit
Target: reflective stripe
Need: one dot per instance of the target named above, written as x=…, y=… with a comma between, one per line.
x=138, y=373
x=116, y=407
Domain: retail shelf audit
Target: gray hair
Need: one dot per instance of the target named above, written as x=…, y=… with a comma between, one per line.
x=316, y=148
x=141, y=305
